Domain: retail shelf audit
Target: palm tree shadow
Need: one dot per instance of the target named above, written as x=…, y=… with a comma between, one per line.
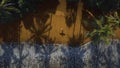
x=72, y=57
x=44, y=54
x=39, y=34
x=8, y=58
x=8, y=54
x=28, y=21
x=103, y=55
x=45, y=10
x=41, y=16
x=19, y=61
x=76, y=40
x=71, y=9
x=50, y=41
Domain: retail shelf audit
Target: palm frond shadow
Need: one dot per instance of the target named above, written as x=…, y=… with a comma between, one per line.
x=44, y=54
x=19, y=61
x=72, y=57
x=50, y=40
x=39, y=33
x=71, y=10
x=76, y=40
x=41, y=17
x=9, y=57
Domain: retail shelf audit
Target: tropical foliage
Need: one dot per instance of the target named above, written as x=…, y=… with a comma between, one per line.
x=114, y=20
x=104, y=28
x=11, y=10
x=102, y=16
x=8, y=12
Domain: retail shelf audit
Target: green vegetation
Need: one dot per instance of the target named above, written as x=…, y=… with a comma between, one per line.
x=10, y=10
x=103, y=17
x=103, y=27
x=102, y=31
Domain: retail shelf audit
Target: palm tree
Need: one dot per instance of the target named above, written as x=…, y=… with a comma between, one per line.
x=7, y=11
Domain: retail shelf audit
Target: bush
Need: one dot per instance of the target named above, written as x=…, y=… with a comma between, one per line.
x=104, y=28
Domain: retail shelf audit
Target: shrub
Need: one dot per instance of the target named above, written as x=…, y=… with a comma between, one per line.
x=104, y=28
